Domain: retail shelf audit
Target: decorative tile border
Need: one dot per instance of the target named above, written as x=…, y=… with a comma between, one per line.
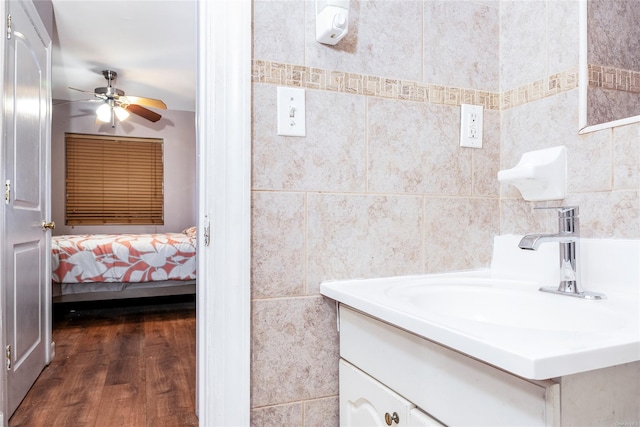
x=614, y=78
x=360, y=84
x=549, y=86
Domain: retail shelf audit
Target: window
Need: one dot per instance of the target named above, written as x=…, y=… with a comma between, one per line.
x=113, y=180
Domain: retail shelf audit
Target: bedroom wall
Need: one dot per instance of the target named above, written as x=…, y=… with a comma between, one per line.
x=177, y=128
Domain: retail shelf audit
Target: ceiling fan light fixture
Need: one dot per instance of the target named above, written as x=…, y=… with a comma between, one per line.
x=121, y=113
x=117, y=105
x=104, y=113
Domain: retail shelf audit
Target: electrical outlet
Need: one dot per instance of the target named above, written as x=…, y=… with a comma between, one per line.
x=291, y=112
x=471, y=126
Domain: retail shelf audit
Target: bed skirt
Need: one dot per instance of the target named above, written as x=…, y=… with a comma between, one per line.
x=72, y=292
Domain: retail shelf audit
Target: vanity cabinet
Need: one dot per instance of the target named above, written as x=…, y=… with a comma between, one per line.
x=385, y=369
x=365, y=402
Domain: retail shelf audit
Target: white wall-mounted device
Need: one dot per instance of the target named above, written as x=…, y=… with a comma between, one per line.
x=332, y=22
x=539, y=175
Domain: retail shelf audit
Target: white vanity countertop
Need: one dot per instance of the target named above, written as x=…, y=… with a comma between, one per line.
x=504, y=320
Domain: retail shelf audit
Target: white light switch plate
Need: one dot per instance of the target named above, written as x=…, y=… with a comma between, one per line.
x=291, y=112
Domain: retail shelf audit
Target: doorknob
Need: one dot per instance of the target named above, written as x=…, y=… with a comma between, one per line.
x=48, y=225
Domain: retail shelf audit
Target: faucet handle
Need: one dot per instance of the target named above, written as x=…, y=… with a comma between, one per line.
x=563, y=211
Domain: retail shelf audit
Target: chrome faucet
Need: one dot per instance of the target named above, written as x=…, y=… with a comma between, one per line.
x=568, y=237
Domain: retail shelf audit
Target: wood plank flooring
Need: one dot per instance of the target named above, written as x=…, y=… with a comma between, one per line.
x=124, y=363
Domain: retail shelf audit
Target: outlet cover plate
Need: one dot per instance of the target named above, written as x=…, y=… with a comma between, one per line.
x=471, y=119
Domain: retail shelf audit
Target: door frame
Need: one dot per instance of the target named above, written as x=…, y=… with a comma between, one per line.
x=224, y=188
x=3, y=338
x=223, y=118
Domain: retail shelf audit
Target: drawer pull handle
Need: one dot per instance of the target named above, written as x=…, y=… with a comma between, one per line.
x=391, y=418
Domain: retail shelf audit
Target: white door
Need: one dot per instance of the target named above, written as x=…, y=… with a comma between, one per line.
x=26, y=201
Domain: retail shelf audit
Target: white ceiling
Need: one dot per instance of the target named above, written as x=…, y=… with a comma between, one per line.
x=151, y=44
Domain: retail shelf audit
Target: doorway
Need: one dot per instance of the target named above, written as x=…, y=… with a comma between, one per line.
x=223, y=299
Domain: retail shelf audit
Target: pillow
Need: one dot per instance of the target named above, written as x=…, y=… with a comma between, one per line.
x=191, y=231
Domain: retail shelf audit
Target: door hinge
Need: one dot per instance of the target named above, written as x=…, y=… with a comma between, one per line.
x=207, y=231
x=8, y=27
x=8, y=355
x=7, y=192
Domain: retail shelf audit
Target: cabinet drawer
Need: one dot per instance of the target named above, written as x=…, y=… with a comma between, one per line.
x=452, y=387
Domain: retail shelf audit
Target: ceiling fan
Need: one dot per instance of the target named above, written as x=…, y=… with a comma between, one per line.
x=116, y=104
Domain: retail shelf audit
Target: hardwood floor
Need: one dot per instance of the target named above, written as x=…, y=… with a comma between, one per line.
x=122, y=364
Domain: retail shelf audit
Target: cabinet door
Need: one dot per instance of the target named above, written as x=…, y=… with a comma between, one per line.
x=364, y=402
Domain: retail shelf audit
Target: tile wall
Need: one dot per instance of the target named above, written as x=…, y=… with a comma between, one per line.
x=614, y=65
x=604, y=167
x=379, y=186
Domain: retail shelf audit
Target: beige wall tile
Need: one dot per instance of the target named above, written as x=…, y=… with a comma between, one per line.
x=563, y=35
x=278, y=416
x=322, y=412
x=626, y=157
x=278, y=30
x=468, y=33
x=486, y=161
x=277, y=244
x=590, y=165
x=331, y=156
x=523, y=42
x=414, y=148
x=384, y=39
x=519, y=217
x=362, y=236
x=612, y=214
x=459, y=233
x=294, y=350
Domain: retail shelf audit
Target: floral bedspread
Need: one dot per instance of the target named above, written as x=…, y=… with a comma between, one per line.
x=123, y=258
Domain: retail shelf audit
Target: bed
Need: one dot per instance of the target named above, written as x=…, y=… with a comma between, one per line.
x=92, y=267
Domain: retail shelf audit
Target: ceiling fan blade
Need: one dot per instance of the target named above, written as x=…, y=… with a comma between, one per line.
x=81, y=90
x=148, y=102
x=76, y=100
x=143, y=112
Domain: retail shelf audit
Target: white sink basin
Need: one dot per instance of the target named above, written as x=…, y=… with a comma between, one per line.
x=504, y=305
x=504, y=322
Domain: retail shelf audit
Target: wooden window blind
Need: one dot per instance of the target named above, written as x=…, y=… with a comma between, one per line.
x=113, y=180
